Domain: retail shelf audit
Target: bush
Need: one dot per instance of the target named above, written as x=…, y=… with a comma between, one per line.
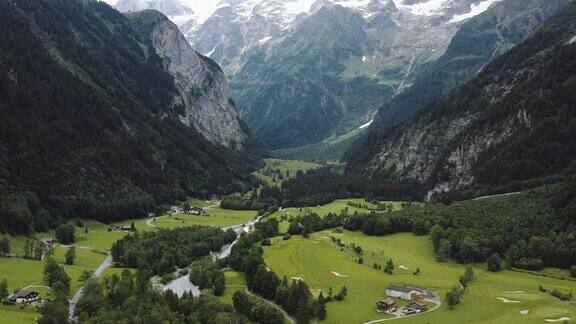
x=166, y=278
x=286, y=237
x=494, y=263
x=266, y=242
x=65, y=233
x=530, y=264
x=573, y=271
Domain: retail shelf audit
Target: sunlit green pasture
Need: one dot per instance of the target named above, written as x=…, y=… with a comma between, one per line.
x=322, y=264
x=287, y=167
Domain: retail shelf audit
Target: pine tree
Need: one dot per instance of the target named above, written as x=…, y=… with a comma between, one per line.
x=70, y=255
x=38, y=251
x=494, y=262
x=321, y=307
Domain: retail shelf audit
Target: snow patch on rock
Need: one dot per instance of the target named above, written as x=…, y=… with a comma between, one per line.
x=475, y=10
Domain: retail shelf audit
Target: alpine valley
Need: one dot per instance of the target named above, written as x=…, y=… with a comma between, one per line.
x=287, y=161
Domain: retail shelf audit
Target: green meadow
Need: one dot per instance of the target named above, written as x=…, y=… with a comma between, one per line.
x=322, y=264
x=235, y=281
x=283, y=165
x=22, y=273
x=14, y=315
x=216, y=217
x=334, y=207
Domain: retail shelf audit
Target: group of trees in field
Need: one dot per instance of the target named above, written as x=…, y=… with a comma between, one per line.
x=55, y=310
x=257, y=310
x=206, y=275
x=246, y=256
x=321, y=186
x=33, y=249
x=453, y=296
x=129, y=297
x=524, y=231
x=165, y=250
x=66, y=233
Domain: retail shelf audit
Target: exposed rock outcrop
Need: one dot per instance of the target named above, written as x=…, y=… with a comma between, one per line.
x=203, y=88
x=511, y=125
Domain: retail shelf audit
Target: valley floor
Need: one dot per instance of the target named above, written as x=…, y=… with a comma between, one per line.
x=503, y=297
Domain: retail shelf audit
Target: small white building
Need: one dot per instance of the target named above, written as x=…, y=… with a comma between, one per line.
x=405, y=292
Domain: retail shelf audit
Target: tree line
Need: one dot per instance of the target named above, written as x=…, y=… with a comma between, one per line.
x=321, y=186
x=165, y=250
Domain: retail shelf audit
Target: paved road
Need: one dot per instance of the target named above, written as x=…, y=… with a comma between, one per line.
x=105, y=264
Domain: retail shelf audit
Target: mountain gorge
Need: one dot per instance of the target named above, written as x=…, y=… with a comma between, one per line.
x=123, y=115
x=302, y=72
x=511, y=126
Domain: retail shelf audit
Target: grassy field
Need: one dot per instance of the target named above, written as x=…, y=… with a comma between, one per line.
x=283, y=165
x=21, y=273
x=315, y=259
x=216, y=217
x=14, y=315
x=90, y=250
x=333, y=207
x=234, y=281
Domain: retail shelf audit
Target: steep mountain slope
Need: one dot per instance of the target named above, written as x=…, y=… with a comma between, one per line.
x=478, y=41
x=305, y=72
x=512, y=124
x=201, y=83
x=90, y=127
x=297, y=97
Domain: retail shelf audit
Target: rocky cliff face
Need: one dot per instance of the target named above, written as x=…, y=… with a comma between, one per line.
x=108, y=140
x=479, y=40
x=203, y=88
x=511, y=124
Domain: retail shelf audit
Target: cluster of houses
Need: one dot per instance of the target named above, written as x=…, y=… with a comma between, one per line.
x=416, y=296
x=25, y=297
x=120, y=228
x=188, y=210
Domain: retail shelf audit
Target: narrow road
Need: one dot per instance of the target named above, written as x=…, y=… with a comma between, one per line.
x=265, y=300
x=500, y=195
x=103, y=266
x=149, y=222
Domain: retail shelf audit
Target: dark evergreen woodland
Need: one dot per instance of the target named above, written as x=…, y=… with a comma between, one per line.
x=88, y=126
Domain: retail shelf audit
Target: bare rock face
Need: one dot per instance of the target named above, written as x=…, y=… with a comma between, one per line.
x=203, y=88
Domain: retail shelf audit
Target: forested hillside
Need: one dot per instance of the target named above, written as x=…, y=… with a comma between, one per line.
x=511, y=126
x=479, y=41
x=89, y=128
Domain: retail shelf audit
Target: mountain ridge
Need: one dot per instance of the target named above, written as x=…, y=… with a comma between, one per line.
x=511, y=125
x=99, y=136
